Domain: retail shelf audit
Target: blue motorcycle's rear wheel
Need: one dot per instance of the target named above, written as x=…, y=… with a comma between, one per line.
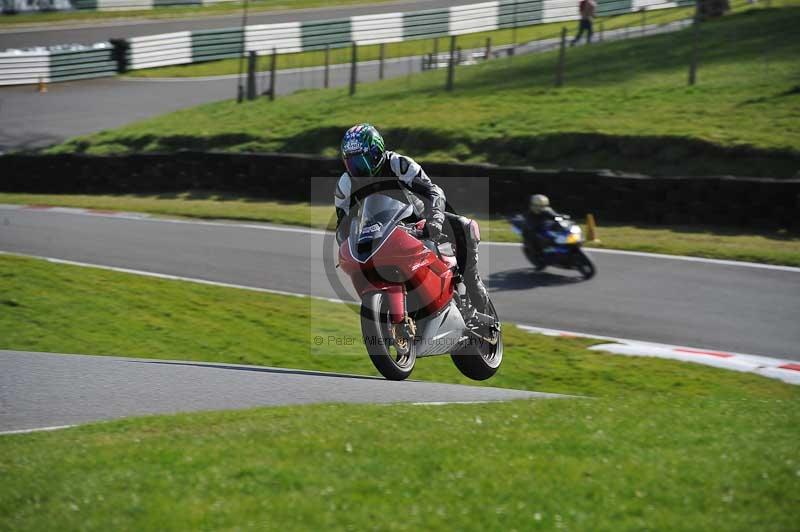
x=534, y=258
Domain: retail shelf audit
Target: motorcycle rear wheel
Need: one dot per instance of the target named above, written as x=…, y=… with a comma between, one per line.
x=535, y=259
x=480, y=360
x=376, y=329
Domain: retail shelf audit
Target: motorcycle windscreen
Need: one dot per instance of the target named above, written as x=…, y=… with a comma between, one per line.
x=378, y=216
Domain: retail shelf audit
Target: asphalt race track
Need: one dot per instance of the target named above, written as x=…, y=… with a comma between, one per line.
x=692, y=303
x=89, y=32
x=44, y=390
x=32, y=120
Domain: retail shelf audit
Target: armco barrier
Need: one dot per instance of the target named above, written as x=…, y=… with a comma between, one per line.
x=59, y=64
x=20, y=68
x=750, y=202
x=205, y=45
x=184, y=47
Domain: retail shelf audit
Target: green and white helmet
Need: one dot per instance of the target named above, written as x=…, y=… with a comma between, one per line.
x=363, y=151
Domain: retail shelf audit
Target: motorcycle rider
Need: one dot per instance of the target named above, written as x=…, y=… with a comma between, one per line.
x=367, y=161
x=539, y=212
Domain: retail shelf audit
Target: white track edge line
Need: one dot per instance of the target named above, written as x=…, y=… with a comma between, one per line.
x=171, y=277
x=38, y=429
x=765, y=362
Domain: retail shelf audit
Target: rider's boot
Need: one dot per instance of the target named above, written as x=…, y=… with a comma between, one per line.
x=478, y=294
x=467, y=236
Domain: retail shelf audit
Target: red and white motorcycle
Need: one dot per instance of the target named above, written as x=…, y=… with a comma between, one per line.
x=413, y=301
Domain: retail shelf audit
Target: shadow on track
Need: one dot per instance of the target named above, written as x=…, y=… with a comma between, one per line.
x=527, y=278
x=256, y=369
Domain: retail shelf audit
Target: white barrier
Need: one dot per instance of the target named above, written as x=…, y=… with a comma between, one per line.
x=376, y=29
x=21, y=68
x=473, y=18
x=160, y=50
x=262, y=38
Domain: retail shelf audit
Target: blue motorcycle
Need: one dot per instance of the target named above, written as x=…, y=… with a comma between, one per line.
x=556, y=243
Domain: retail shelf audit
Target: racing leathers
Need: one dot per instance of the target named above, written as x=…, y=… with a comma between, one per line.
x=535, y=220
x=429, y=203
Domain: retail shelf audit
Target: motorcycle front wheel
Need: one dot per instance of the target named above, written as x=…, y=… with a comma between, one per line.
x=583, y=264
x=480, y=359
x=393, y=359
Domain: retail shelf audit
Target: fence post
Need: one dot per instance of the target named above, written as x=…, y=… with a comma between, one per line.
x=451, y=67
x=643, y=11
x=513, y=31
x=382, y=57
x=273, y=66
x=561, y=54
x=120, y=54
x=251, y=75
x=693, y=55
x=353, y=67
x=327, y=65
x=488, y=47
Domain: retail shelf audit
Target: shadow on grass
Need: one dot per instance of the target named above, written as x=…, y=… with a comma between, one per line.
x=169, y=143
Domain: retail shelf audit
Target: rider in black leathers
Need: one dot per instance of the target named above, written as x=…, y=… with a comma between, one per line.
x=538, y=214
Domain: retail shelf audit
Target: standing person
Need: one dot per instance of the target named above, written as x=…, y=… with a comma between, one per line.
x=587, y=9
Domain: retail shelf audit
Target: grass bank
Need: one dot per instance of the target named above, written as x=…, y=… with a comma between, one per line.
x=225, y=8
x=663, y=445
x=774, y=247
x=625, y=105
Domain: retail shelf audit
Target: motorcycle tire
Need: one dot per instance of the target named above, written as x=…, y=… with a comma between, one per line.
x=479, y=361
x=375, y=327
x=533, y=258
x=584, y=265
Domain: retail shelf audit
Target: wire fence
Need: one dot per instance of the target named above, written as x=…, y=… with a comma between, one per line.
x=358, y=64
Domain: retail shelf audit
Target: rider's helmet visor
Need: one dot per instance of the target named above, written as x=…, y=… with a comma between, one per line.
x=358, y=165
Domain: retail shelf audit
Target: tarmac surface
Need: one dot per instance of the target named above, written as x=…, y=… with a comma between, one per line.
x=697, y=303
x=39, y=390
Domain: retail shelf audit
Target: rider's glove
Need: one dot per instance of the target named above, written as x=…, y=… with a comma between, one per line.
x=433, y=229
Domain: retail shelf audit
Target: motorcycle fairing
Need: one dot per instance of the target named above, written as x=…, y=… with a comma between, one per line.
x=441, y=332
x=378, y=255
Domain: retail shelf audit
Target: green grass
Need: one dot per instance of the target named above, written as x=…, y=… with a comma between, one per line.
x=409, y=48
x=662, y=445
x=774, y=247
x=227, y=8
x=625, y=106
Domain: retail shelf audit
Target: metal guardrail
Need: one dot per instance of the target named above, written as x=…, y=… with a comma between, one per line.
x=185, y=47
x=370, y=29
x=57, y=64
